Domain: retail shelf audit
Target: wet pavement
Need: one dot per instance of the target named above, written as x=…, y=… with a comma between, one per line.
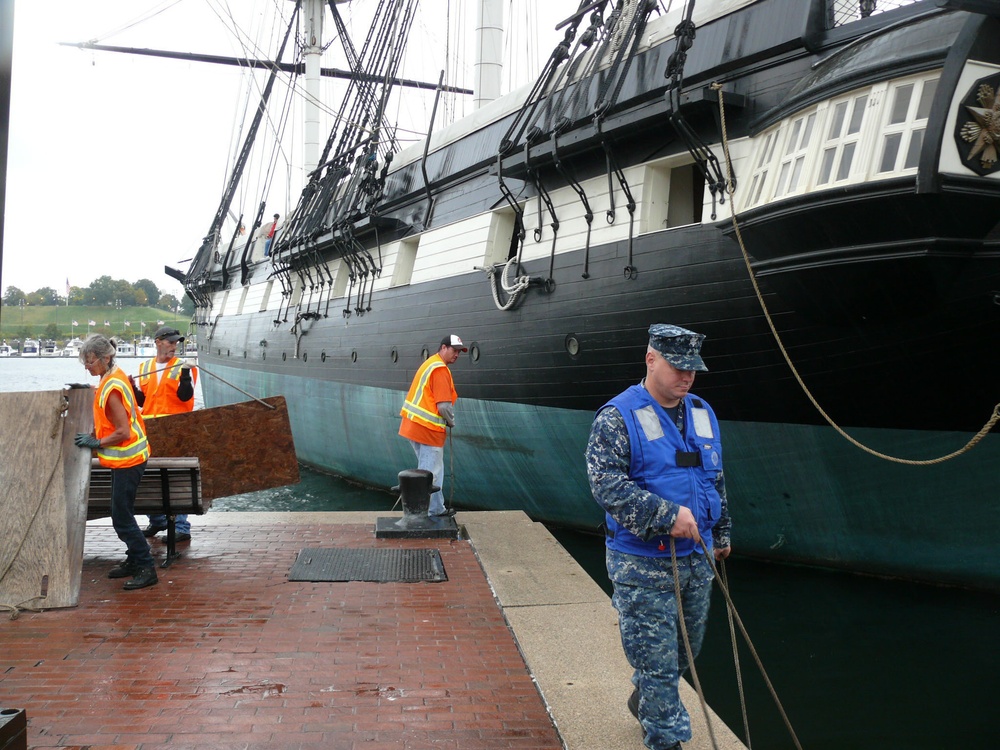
x=518, y=648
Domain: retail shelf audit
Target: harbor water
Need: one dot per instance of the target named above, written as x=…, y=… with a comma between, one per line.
x=856, y=662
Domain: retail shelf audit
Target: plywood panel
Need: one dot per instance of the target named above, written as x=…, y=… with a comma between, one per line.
x=43, y=507
x=243, y=447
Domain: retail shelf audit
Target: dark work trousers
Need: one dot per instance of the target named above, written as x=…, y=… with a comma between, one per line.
x=124, y=485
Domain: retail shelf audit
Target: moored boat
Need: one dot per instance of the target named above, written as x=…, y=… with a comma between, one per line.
x=146, y=347
x=812, y=184
x=125, y=348
x=72, y=348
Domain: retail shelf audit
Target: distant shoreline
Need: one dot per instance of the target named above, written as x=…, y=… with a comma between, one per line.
x=36, y=319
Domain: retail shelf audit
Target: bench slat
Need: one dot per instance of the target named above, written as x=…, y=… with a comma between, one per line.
x=183, y=482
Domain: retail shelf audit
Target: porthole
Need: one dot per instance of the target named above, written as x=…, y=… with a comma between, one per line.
x=424, y=353
x=305, y=356
x=572, y=346
x=474, y=352
x=284, y=356
x=394, y=355
x=244, y=354
x=354, y=356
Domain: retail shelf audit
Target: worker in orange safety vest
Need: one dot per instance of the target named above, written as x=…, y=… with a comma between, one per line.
x=166, y=386
x=429, y=410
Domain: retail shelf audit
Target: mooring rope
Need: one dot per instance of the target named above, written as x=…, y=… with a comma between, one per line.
x=687, y=644
x=734, y=616
x=724, y=582
x=513, y=289
x=730, y=188
x=451, y=470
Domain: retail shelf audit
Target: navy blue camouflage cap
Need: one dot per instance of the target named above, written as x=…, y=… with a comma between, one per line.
x=679, y=346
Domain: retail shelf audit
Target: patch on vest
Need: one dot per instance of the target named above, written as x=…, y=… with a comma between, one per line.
x=649, y=422
x=702, y=424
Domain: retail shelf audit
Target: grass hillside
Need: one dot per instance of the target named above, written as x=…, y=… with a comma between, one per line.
x=34, y=321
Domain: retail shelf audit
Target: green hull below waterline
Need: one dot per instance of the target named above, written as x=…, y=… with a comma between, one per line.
x=797, y=493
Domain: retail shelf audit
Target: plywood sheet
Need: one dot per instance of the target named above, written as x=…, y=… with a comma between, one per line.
x=43, y=506
x=243, y=447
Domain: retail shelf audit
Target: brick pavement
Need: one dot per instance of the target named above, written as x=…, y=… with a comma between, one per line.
x=225, y=652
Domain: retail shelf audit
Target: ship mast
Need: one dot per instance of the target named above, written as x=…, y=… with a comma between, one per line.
x=312, y=52
x=489, y=52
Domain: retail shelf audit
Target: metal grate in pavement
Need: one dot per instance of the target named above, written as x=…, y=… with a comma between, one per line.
x=380, y=565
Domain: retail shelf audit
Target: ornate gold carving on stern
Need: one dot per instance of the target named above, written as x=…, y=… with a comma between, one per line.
x=983, y=130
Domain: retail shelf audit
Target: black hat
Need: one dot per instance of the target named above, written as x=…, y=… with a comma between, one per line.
x=170, y=334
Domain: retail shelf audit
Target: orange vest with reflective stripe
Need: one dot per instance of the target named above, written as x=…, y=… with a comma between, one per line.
x=421, y=405
x=160, y=388
x=133, y=451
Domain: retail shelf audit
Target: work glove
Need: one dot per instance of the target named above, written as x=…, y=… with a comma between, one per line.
x=86, y=441
x=447, y=411
x=140, y=397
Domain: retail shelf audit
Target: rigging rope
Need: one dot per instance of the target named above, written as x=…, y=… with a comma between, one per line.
x=990, y=423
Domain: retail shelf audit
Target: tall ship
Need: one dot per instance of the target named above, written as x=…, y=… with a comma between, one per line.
x=813, y=184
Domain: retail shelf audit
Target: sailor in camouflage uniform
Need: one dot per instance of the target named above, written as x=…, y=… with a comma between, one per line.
x=655, y=464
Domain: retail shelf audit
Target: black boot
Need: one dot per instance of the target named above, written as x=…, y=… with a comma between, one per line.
x=124, y=569
x=143, y=577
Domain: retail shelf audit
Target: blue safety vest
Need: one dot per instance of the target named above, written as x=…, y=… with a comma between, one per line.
x=676, y=467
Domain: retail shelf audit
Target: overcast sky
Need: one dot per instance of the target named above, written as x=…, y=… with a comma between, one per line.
x=117, y=163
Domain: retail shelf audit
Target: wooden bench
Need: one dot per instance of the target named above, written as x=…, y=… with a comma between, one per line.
x=170, y=485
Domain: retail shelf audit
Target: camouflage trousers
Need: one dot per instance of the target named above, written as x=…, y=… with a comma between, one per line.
x=651, y=637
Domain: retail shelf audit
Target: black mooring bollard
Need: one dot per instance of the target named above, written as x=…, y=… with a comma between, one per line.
x=415, y=488
x=13, y=729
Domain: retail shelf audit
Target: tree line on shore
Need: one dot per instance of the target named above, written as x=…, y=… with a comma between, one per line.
x=57, y=325
x=103, y=292
x=117, y=309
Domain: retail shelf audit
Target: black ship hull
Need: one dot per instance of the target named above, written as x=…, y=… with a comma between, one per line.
x=848, y=284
